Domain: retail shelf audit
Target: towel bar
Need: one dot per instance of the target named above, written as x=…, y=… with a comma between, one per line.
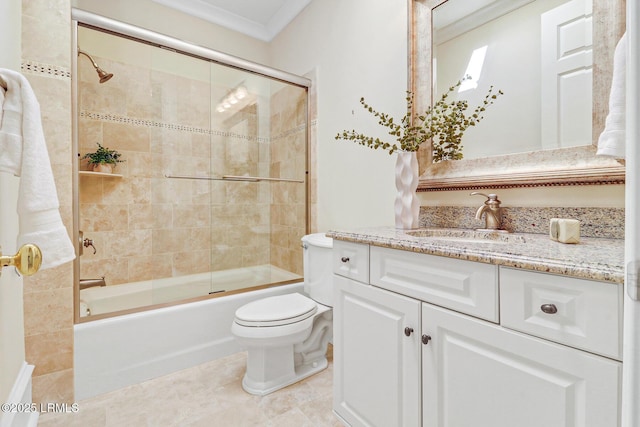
x=235, y=178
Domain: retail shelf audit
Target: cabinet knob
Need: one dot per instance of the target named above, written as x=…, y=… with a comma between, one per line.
x=426, y=339
x=549, y=308
x=344, y=259
x=408, y=331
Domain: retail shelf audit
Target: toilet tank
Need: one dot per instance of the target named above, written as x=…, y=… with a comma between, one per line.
x=318, y=270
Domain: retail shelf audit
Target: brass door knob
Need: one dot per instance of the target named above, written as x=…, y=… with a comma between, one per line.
x=27, y=261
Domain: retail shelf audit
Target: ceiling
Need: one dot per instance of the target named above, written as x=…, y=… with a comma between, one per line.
x=261, y=19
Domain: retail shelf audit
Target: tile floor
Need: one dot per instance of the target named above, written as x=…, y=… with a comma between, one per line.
x=208, y=395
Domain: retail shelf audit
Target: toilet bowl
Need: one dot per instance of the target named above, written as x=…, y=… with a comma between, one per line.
x=286, y=336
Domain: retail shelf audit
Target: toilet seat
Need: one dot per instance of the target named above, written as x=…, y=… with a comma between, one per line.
x=276, y=311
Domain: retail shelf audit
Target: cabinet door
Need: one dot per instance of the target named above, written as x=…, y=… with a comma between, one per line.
x=481, y=375
x=377, y=365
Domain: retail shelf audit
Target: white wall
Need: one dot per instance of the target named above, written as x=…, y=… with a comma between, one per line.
x=359, y=49
x=12, y=353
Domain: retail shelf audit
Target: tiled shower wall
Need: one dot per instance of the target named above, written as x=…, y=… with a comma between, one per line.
x=288, y=160
x=48, y=295
x=142, y=224
x=147, y=226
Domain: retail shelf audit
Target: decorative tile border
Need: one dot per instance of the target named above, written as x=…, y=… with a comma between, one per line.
x=297, y=129
x=132, y=121
x=48, y=70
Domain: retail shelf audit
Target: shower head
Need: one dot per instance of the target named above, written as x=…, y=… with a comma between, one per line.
x=102, y=74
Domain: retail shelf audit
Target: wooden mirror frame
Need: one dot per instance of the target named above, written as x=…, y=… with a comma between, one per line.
x=564, y=166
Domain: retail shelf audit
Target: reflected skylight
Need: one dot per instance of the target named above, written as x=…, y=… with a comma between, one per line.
x=474, y=69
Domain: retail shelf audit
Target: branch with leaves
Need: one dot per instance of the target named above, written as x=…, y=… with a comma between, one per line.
x=444, y=123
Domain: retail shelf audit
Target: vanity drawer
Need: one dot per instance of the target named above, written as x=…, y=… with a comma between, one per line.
x=351, y=260
x=577, y=312
x=465, y=286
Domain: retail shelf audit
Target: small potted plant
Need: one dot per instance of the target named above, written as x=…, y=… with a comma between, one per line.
x=103, y=160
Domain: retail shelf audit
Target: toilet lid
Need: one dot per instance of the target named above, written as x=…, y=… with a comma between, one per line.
x=276, y=311
x=318, y=239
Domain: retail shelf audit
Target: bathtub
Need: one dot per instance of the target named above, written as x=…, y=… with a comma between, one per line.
x=113, y=298
x=119, y=351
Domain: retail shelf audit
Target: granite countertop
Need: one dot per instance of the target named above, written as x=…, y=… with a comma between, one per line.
x=592, y=258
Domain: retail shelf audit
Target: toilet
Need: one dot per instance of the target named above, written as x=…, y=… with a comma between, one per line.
x=286, y=336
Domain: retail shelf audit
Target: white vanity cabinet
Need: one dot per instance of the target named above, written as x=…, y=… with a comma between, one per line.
x=466, y=359
x=376, y=358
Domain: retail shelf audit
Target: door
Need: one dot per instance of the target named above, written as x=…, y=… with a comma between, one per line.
x=475, y=373
x=377, y=365
x=566, y=73
x=12, y=354
x=631, y=355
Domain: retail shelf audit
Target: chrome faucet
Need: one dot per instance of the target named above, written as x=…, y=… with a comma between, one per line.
x=492, y=211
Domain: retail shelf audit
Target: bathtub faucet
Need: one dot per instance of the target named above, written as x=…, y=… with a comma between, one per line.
x=90, y=283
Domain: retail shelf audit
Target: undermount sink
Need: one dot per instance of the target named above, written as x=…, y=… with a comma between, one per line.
x=474, y=236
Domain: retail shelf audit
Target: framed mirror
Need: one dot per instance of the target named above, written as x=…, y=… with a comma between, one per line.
x=542, y=131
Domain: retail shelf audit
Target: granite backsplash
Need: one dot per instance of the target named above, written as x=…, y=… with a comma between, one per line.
x=594, y=222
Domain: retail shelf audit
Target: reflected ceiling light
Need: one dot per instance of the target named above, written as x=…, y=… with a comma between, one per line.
x=232, y=98
x=241, y=92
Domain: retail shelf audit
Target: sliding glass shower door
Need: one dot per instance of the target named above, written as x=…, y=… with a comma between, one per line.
x=211, y=197
x=258, y=163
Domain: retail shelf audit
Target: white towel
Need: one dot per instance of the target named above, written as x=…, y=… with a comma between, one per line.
x=612, y=140
x=23, y=152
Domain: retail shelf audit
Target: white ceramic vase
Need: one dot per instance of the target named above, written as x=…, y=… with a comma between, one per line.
x=407, y=205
